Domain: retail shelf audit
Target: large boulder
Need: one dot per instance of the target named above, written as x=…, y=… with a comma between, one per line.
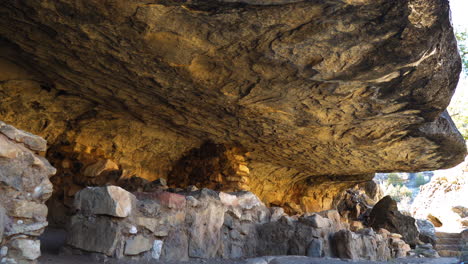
x=109, y=200
x=385, y=215
x=94, y=234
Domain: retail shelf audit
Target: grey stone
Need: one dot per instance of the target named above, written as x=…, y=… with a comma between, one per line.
x=19, y=227
x=192, y=201
x=156, y=225
x=137, y=245
x=8, y=261
x=94, y=234
x=204, y=227
x=25, y=249
x=316, y=221
x=28, y=209
x=33, y=142
x=3, y=251
x=315, y=248
x=248, y=200
x=426, y=231
x=276, y=213
x=175, y=246
x=109, y=200
x=156, y=249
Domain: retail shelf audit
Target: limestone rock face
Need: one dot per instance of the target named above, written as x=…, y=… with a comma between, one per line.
x=307, y=88
x=24, y=188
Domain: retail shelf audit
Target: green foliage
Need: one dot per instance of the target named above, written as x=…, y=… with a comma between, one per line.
x=395, y=179
x=420, y=180
x=458, y=108
x=397, y=192
x=459, y=113
x=462, y=38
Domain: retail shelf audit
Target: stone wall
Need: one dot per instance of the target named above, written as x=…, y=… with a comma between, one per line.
x=24, y=188
x=206, y=224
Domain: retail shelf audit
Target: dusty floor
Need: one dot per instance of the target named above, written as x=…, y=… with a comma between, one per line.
x=57, y=259
x=53, y=239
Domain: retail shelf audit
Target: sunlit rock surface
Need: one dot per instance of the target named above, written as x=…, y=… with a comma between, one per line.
x=315, y=96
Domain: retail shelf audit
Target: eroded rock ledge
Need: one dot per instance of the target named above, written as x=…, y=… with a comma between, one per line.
x=311, y=95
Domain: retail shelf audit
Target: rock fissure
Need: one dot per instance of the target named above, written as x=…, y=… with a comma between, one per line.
x=294, y=101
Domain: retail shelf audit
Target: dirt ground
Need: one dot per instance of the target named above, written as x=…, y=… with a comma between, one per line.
x=60, y=259
x=53, y=239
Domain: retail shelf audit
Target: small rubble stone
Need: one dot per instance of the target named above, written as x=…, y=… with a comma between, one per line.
x=276, y=213
x=192, y=188
x=28, y=209
x=137, y=245
x=4, y=251
x=315, y=248
x=33, y=229
x=99, y=167
x=317, y=221
x=26, y=249
x=157, y=247
x=192, y=201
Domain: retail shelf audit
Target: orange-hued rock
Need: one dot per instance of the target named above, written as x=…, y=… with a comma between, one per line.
x=295, y=101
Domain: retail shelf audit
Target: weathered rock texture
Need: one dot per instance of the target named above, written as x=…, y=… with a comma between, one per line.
x=207, y=224
x=385, y=215
x=24, y=188
x=319, y=94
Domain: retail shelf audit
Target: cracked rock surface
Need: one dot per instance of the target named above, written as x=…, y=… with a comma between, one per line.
x=307, y=88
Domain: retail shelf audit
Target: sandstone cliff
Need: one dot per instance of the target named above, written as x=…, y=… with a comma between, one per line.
x=293, y=100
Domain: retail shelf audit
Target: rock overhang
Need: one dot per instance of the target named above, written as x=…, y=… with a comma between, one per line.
x=320, y=87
